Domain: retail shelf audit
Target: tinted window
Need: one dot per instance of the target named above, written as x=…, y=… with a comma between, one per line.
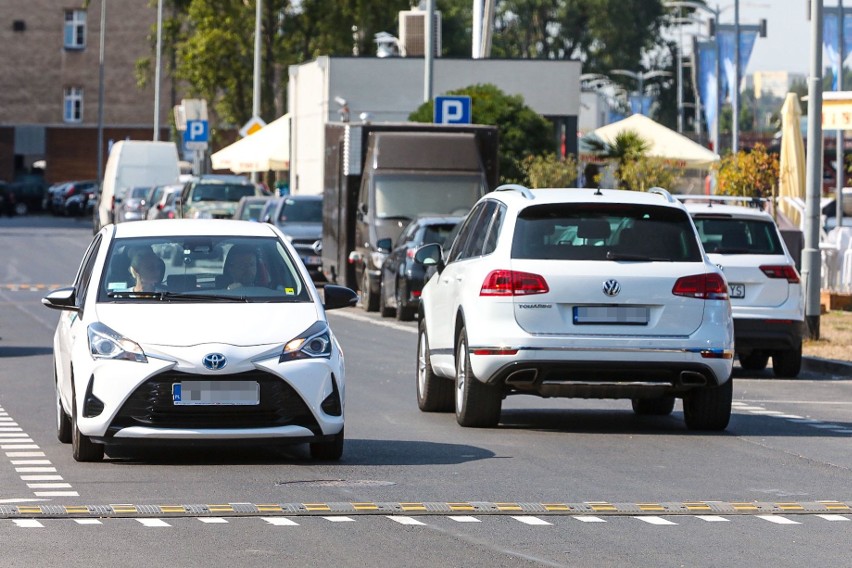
x=84, y=275
x=464, y=231
x=605, y=232
x=221, y=192
x=300, y=211
x=479, y=231
x=494, y=230
x=437, y=233
x=738, y=236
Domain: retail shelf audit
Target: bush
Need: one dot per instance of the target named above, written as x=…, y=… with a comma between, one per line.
x=547, y=170
x=748, y=174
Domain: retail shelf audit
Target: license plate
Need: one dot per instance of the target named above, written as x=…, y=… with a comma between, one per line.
x=312, y=260
x=611, y=315
x=213, y=393
x=737, y=290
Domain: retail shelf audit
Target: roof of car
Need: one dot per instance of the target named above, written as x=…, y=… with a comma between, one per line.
x=190, y=227
x=721, y=209
x=521, y=196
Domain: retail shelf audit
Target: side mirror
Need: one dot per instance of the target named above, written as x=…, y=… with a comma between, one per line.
x=384, y=245
x=62, y=299
x=338, y=297
x=430, y=255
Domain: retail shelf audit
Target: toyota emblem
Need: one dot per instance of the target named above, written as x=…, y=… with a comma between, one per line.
x=215, y=361
x=611, y=287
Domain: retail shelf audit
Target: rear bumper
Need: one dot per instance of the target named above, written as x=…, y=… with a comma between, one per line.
x=765, y=334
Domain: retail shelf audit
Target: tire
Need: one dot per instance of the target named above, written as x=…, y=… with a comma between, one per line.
x=661, y=406
x=403, y=312
x=328, y=451
x=82, y=447
x=754, y=361
x=708, y=408
x=385, y=310
x=63, y=421
x=434, y=393
x=21, y=209
x=477, y=404
x=369, y=300
x=787, y=364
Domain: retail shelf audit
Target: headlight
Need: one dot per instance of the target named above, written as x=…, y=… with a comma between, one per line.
x=104, y=343
x=378, y=258
x=315, y=342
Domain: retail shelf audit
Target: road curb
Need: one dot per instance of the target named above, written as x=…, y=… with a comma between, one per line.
x=832, y=366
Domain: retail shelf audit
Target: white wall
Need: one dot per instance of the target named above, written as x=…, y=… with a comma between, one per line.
x=389, y=89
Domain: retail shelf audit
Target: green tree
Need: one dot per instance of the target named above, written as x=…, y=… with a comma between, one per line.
x=748, y=174
x=627, y=146
x=644, y=172
x=546, y=170
x=523, y=132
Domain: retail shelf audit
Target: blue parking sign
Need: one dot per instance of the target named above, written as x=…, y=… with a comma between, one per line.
x=452, y=110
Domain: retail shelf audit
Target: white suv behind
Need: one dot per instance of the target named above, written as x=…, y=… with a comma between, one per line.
x=767, y=299
x=575, y=293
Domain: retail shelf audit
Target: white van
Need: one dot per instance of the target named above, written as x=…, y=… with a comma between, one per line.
x=134, y=163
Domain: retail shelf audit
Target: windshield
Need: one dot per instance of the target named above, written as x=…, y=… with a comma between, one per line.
x=221, y=192
x=738, y=236
x=201, y=268
x=401, y=195
x=301, y=211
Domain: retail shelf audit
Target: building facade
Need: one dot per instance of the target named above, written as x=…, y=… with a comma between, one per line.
x=49, y=105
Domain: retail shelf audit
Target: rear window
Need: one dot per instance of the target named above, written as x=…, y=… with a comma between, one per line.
x=591, y=231
x=301, y=211
x=738, y=236
x=437, y=233
x=221, y=192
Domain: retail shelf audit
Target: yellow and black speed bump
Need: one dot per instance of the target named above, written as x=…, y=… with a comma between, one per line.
x=598, y=508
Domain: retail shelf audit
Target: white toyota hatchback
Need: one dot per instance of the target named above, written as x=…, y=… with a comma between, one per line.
x=189, y=331
x=767, y=298
x=575, y=293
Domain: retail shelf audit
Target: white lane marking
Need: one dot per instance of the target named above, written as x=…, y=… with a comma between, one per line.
x=464, y=519
x=778, y=520
x=833, y=517
x=528, y=520
x=18, y=447
x=35, y=469
x=9, y=428
x=24, y=454
x=405, y=520
x=767, y=412
x=589, y=519
x=655, y=520
x=6, y=418
x=339, y=519
x=30, y=462
x=153, y=522
x=22, y=500
x=49, y=485
x=28, y=523
x=750, y=408
x=280, y=522
x=88, y=522
x=791, y=416
x=56, y=494
x=41, y=477
x=20, y=434
x=712, y=518
x=213, y=520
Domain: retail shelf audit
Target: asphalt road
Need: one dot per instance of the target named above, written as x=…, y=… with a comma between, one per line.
x=558, y=483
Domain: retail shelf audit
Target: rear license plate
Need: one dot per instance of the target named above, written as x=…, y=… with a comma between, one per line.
x=212, y=393
x=737, y=290
x=611, y=315
x=312, y=260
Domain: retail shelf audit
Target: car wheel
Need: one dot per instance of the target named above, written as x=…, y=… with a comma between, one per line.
x=369, y=300
x=754, y=361
x=82, y=447
x=434, y=393
x=403, y=312
x=386, y=310
x=477, y=404
x=21, y=208
x=708, y=408
x=661, y=406
x=63, y=421
x=328, y=451
x=787, y=364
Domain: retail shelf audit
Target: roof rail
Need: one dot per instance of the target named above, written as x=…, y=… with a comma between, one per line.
x=525, y=191
x=664, y=192
x=743, y=200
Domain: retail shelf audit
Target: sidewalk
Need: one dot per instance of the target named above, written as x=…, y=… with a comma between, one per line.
x=829, y=366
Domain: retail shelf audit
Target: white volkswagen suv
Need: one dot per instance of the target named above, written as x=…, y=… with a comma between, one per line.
x=575, y=293
x=767, y=298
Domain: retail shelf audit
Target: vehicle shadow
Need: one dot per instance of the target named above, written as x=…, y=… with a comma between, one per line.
x=12, y=351
x=356, y=452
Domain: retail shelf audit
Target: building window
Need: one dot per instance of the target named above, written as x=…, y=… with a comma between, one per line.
x=75, y=29
x=73, y=108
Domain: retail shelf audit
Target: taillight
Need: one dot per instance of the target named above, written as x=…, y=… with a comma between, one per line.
x=513, y=283
x=410, y=252
x=703, y=286
x=785, y=271
x=171, y=215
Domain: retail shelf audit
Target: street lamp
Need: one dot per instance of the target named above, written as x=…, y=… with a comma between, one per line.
x=640, y=77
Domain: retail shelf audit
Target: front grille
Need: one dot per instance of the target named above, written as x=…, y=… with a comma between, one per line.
x=151, y=405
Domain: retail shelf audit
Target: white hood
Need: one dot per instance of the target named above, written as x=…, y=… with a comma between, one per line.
x=187, y=324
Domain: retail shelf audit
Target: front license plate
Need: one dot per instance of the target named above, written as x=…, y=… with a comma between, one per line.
x=611, y=315
x=737, y=290
x=312, y=260
x=213, y=393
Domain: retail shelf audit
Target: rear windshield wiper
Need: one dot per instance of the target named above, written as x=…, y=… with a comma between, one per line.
x=638, y=257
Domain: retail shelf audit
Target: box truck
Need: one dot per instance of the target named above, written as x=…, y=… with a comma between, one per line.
x=380, y=176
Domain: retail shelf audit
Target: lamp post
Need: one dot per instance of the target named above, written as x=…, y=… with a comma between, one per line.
x=101, y=97
x=640, y=77
x=157, y=70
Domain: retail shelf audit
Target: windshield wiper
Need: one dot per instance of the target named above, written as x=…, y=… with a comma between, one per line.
x=168, y=296
x=395, y=218
x=639, y=257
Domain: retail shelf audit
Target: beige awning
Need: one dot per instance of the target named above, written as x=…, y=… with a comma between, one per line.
x=267, y=149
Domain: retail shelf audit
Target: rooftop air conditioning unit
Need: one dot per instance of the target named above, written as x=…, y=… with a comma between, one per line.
x=412, y=33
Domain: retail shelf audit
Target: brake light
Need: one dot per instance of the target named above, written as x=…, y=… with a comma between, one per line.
x=781, y=271
x=703, y=286
x=410, y=252
x=513, y=283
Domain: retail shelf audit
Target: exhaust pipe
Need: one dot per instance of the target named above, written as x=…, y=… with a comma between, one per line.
x=692, y=379
x=525, y=377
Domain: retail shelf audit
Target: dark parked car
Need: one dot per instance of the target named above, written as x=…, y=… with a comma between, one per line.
x=300, y=219
x=62, y=194
x=401, y=278
x=27, y=194
x=82, y=203
x=249, y=208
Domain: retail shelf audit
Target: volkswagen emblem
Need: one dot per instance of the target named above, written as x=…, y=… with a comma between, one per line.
x=611, y=287
x=215, y=361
